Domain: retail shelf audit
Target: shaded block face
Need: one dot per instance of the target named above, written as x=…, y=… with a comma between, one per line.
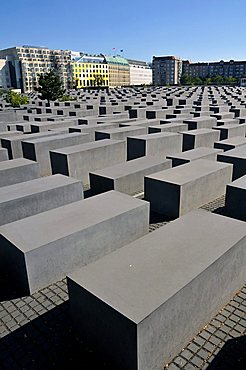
x=136, y=148
x=237, y=157
x=56, y=242
x=178, y=190
x=84, y=308
x=235, y=203
x=209, y=268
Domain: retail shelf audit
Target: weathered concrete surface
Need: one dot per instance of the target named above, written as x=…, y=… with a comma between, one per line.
x=3, y=154
x=120, y=133
x=42, y=249
x=155, y=144
x=193, y=154
x=231, y=143
x=38, y=149
x=200, y=137
x=18, y=170
x=179, y=190
x=127, y=177
x=190, y=268
x=169, y=127
x=35, y=196
x=78, y=160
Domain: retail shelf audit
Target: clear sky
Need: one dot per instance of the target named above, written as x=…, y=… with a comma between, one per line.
x=200, y=30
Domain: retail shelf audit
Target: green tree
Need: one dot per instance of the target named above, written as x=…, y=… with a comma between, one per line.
x=207, y=81
x=15, y=99
x=185, y=80
x=197, y=81
x=217, y=80
x=50, y=86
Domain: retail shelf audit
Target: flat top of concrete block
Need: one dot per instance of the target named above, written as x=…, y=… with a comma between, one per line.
x=199, y=131
x=42, y=184
x=137, y=279
x=158, y=135
x=134, y=166
x=239, y=183
x=87, y=146
x=12, y=163
x=195, y=153
x=121, y=129
x=54, y=137
x=236, y=140
x=228, y=126
x=52, y=123
x=32, y=232
x=239, y=152
x=26, y=137
x=201, y=119
x=167, y=125
x=181, y=175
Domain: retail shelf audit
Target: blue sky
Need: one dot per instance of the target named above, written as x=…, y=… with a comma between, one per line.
x=200, y=30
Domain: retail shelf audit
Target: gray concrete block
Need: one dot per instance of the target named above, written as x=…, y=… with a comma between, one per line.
x=201, y=137
x=45, y=126
x=127, y=177
x=120, y=133
x=38, y=149
x=35, y=196
x=39, y=250
x=231, y=143
x=140, y=305
x=237, y=157
x=201, y=122
x=169, y=127
x=193, y=154
x=18, y=170
x=77, y=161
x=235, y=201
x=179, y=190
x=3, y=154
x=13, y=143
x=232, y=130
x=161, y=143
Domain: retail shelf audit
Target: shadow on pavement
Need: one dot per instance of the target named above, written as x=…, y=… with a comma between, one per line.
x=48, y=342
x=232, y=356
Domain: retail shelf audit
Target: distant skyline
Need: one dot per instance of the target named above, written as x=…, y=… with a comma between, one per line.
x=202, y=31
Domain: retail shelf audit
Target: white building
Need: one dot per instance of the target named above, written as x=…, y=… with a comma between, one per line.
x=4, y=74
x=140, y=73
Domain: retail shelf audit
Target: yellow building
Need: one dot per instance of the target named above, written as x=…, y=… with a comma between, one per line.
x=88, y=71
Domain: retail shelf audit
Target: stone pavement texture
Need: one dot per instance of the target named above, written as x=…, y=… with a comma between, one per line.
x=36, y=331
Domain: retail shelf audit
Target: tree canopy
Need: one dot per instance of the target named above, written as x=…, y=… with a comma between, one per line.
x=15, y=99
x=50, y=86
x=209, y=80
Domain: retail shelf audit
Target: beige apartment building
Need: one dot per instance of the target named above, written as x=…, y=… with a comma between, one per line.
x=119, y=71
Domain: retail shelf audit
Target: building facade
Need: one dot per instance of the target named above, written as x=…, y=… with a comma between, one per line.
x=89, y=70
x=119, y=71
x=140, y=73
x=167, y=70
x=26, y=63
x=232, y=68
x=5, y=81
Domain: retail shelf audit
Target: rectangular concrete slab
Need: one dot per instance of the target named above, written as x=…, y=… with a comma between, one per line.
x=35, y=196
x=200, y=137
x=127, y=177
x=230, y=143
x=39, y=250
x=3, y=154
x=179, y=190
x=18, y=170
x=77, y=161
x=38, y=149
x=140, y=305
x=193, y=154
x=120, y=133
x=237, y=157
x=163, y=143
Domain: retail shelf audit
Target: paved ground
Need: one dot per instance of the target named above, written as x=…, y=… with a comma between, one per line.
x=36, y=331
